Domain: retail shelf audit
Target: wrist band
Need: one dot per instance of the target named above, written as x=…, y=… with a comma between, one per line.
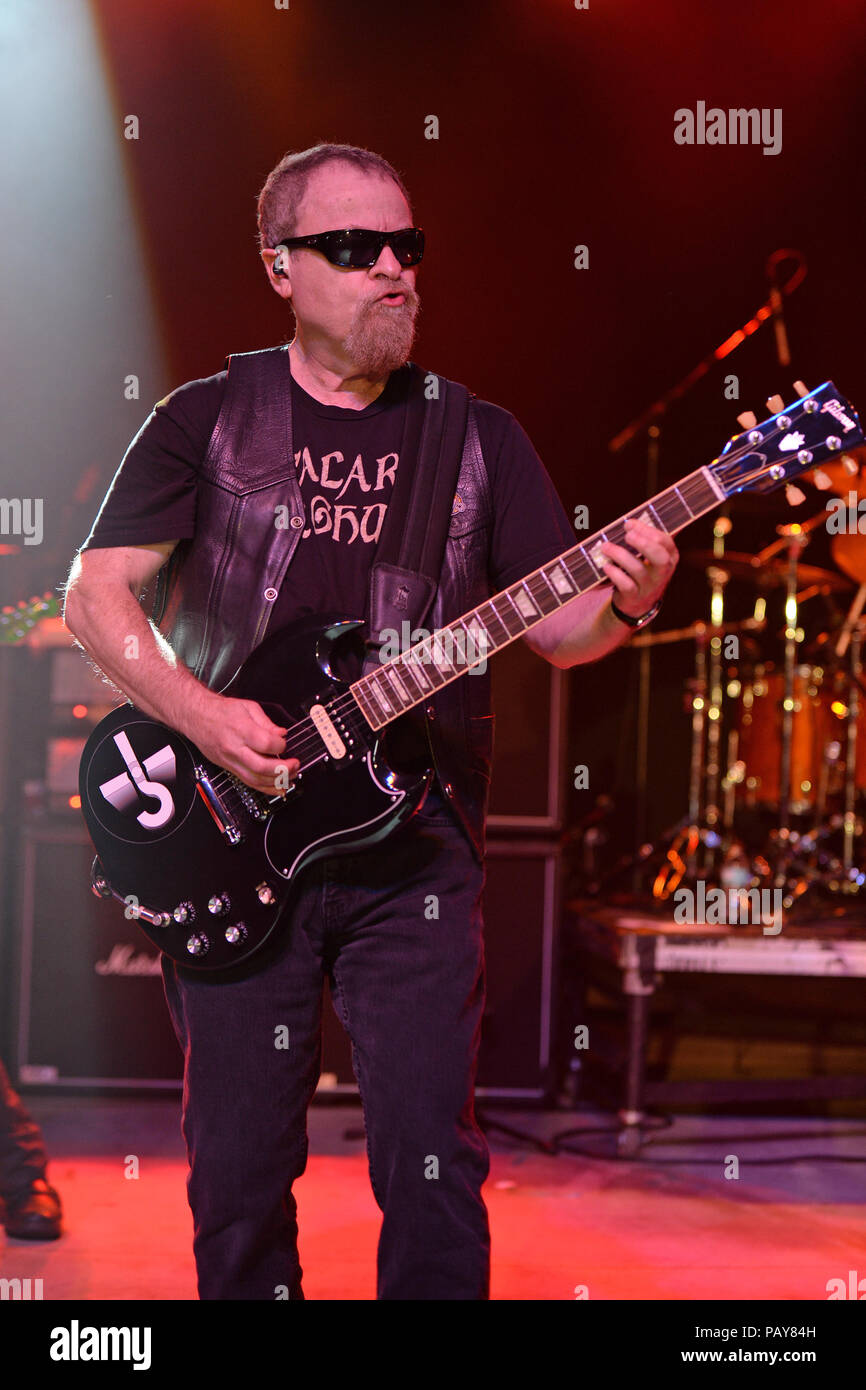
x=635, y=623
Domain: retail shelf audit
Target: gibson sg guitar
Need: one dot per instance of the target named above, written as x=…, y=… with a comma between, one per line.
x=206, y=865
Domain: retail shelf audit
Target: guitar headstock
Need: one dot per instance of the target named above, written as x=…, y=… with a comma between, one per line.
x=15, y=623
x=816, y=427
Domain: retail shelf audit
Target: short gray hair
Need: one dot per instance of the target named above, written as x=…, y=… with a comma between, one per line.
x=284, y=188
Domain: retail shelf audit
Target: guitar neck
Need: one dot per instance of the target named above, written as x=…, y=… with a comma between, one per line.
x=407, y=680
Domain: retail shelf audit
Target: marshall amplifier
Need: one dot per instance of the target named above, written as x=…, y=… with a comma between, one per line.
x=91, y=1010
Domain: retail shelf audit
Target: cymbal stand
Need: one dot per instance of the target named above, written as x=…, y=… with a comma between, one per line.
x=643, y=697
x=731, y=780
x=849, y=822
x=718, y=577
x=797, y=539
x=696, y=757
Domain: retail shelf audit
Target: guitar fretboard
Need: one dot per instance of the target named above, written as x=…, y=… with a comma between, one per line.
x=408, y=679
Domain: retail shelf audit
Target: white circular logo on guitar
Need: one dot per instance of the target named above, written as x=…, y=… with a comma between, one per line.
x=121, y=791
x=141, y=782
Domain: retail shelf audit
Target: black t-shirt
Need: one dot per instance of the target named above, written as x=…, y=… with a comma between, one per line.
x=346, y=461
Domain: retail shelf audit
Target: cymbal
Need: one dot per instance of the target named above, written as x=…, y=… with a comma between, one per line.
x=767, y=575
x=849, y=552
x=698, y=629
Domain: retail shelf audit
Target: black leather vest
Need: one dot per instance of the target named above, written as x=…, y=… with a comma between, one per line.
x=215, y=596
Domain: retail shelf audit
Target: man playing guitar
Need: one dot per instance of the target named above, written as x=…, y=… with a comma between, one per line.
x=339, y=246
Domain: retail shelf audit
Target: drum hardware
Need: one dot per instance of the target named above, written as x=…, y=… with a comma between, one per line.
x=774, y=792
x=856, y=609
x=797, y=539
x=829, y=758
x=791, y=752
x=718, y=578
x=849, y=830
x=825, y=860
x=807, y=746
x=772, y=573
x=696, y=631
x=845, y=477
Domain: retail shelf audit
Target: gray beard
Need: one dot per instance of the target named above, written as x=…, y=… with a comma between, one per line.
x=381, y=338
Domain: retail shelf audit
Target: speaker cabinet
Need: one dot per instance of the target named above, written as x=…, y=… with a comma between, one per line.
x=528, y=782
x=521, y=905
x=91, y=1009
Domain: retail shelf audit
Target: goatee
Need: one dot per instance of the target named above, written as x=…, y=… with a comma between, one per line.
x=382, y=335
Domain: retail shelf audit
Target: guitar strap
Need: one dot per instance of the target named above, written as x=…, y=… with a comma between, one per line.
x=405, y=573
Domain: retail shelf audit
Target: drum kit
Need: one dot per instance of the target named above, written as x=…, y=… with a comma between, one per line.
x=777, y=773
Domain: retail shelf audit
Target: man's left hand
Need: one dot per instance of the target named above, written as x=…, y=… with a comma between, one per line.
x=640, y=580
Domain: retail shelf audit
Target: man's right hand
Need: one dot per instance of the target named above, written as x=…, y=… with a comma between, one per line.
x=239, y=736
x=103, y=613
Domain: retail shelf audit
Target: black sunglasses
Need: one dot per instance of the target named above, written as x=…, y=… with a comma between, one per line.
x=359, y=248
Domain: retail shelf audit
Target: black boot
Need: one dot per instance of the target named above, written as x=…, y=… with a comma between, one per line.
x=32, y=1206
x=34, y=1215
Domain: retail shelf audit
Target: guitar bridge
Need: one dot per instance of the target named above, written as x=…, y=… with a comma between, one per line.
x=253, y=804
x=225, y=822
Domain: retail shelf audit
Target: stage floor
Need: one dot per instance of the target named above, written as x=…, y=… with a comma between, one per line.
x=669, y=1226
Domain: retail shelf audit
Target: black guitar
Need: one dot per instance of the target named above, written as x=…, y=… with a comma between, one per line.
x=206, y=864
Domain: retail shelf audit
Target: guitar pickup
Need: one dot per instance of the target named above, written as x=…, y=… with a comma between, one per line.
x=225, y=822
x=328, y=731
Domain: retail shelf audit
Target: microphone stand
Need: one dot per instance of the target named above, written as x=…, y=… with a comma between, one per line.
x=730, y=344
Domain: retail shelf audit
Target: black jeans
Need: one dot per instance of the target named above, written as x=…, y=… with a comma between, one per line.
x=22, y=1151
x=398, y=929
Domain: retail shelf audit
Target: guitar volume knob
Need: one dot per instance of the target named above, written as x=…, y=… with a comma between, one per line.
x=198, y=944
x=184, y=913
x=236, y=933
x=219, y=904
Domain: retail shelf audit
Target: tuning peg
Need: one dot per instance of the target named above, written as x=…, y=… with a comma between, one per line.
x=794, y=495
x=821, y=481
x=850, y=465
x=775, y=404
x=801, y=388
x=748, y=419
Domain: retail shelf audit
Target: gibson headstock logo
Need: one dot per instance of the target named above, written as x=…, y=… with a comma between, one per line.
x=834, y=408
